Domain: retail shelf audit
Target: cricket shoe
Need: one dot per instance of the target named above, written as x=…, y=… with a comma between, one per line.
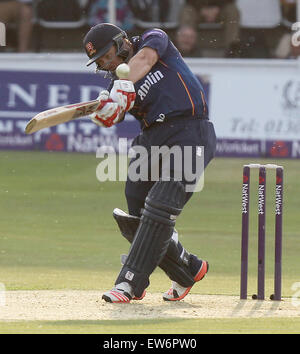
x=178, y=292
x=121, y=293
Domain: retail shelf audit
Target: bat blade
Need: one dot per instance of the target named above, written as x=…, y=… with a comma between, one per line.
x=59, y=115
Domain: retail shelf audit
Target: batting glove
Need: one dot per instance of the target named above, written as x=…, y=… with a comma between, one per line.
x=123, y=92
x=108, y=112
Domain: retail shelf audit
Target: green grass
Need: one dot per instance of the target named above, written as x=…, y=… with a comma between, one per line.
x=57, y=231
x=162, y=326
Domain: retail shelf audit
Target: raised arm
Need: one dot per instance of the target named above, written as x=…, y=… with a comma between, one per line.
x=141, y=63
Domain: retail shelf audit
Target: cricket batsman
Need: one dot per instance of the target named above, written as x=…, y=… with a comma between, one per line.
x=169, y=102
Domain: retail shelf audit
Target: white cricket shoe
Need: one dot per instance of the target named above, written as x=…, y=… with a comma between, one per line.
x=121, y=293
x=178, y=292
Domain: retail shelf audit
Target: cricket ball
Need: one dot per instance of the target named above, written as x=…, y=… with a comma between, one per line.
x=123, y=71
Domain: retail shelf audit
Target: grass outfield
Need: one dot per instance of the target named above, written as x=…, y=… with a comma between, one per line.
x=57, y=232
x=163, y=326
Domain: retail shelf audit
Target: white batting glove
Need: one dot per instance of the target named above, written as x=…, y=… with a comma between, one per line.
x=108, y=111
x=103, y=95
x=123, y=92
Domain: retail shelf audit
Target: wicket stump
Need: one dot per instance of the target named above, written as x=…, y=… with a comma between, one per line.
x=261, y=231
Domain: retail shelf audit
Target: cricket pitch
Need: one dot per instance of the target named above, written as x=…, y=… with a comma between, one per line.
x=52, y=305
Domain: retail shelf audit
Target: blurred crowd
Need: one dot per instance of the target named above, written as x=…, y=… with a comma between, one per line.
x=199, y=28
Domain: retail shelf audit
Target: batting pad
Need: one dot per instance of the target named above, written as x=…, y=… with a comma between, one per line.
x=175, y=261
x=151, y=241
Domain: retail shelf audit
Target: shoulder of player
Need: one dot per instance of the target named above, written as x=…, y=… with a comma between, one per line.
x=154, y=38
x=139, y=41
x=156, y=32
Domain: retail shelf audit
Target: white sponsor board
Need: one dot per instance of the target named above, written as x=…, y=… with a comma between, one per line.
x=253, y=99
x=256, y=107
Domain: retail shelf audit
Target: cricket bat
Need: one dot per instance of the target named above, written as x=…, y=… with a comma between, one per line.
x=60, y=115
x=63, y=114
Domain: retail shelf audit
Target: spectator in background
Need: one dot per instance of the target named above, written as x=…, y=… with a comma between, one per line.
x=286, y=49
x=150, y=10
x=163, y=14
x=61, y=11
x=98, y=13
x=258, y=18
x=18, y=12
x=289, y=9
x=223, y=12
x=186, y=41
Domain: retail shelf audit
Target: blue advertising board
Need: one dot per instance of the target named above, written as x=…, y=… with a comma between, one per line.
x=26, y=93
x=23, y=94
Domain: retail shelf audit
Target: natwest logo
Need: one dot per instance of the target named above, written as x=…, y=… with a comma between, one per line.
x=279, y=149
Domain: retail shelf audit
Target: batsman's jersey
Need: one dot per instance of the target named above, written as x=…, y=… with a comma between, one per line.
x=170, y=89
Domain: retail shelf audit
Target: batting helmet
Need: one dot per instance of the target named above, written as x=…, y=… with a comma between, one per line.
x=100, y=39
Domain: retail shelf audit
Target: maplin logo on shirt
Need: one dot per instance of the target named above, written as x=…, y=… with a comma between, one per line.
x=150, y=80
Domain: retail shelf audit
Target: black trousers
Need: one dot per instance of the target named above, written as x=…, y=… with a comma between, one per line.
x=177, y=132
